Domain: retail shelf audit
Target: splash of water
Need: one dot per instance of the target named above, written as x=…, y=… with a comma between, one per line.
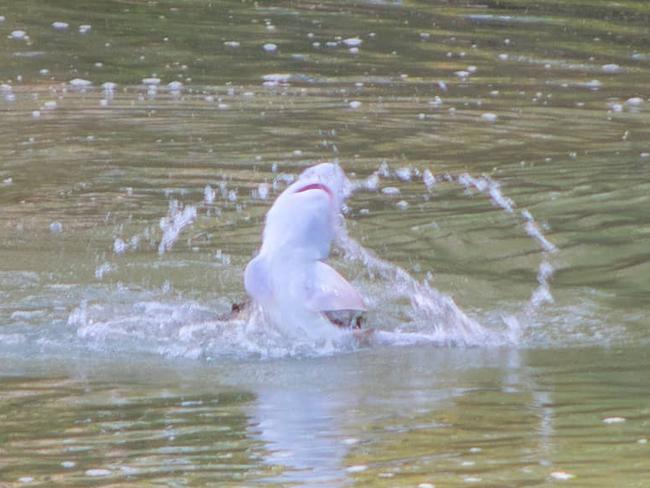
x=177, y=219
x=435, y=316
x=542, y=294
x=193, y=330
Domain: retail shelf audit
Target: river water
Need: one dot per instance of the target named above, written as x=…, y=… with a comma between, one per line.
x=499, y=231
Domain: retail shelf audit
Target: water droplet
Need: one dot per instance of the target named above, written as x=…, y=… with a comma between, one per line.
x=612, y=68
x=352, y=42
x=97, y=472
x=614, y=420
x=19, y=35
x=561, y=475
x=79, y=83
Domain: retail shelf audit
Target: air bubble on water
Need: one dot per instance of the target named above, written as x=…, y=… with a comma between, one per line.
x=269, y=47
x=489, y=117
x=634, y=102
x=36, y=114
x=175, y=86
x=60, y=25
x=232, y=196
x=232, y=44
x=56, y=227
x=152, y=81
x=68, y=464
x=561, y=475
x=402, y=205
x=352, y=42
x=97, y=472
x=612, y=68
x=19, y=35
x=277, y=78
x=85, y=28
x=80, y=83
x=390, y=190
x=7, y=181
x=614, y=420
x=462, y=74
x=355, y=104
x=615, y=107
x=503, y=57
x=354, y=50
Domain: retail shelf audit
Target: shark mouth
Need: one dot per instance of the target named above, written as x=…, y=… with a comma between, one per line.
x=315, y=186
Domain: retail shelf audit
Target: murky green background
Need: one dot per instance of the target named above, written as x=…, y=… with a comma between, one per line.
x=98, y=389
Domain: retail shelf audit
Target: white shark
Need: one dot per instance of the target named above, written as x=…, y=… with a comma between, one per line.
x=288, y=279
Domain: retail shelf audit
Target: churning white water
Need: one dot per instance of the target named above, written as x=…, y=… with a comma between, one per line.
x=402, y=309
